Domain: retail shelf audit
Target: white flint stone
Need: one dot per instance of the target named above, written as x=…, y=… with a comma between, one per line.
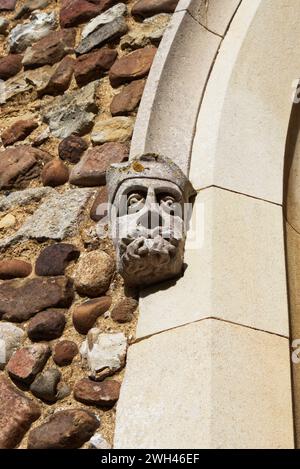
x=23, y=35
x=98, y=442
x=10, y=340
x=105, y=353
x=106, y=17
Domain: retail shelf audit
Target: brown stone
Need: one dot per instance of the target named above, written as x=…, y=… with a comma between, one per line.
x=61, y=78
x=91, y=169
x=99, y=209
x=104, y=394
x=123, y=311
x=21, y=299
x=19, y=165
x=145, y=8
x=86, y=314
x=14, y=268
x=17, y=413
x=132, y=66
x=47, y=325
x=92, y=66
x=10, y=65
x=27, y=362
x=7, y=4
x=66, y=429
x=18, y=131
x=64, y=352
x=74, y=12
x=54, y=259
x=71, y=148
x=55, y=173
x=128, y=99
x=93, y=273
x=50, y=49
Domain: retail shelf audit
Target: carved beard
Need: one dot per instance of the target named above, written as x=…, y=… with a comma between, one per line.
x=145, y=259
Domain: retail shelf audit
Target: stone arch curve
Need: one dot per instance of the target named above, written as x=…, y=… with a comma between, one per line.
x=234, y=291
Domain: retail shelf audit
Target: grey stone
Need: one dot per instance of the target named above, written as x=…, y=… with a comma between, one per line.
x=149, y=32
x=72, y=113
x=98, y=442
x=56, y=218
x=106, y=32
x=24, y=35
x=104, y=353
x=45, y=385
x=21, y=198
x=11, y=338
x=149, y=226
x=107, y=17
x=29, y=7
x=4, y=23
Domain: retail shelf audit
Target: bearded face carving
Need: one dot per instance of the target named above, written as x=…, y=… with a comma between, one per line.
x=149, y=213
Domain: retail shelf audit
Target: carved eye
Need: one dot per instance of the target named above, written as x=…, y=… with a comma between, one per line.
x=169, y=204
x=135, y=202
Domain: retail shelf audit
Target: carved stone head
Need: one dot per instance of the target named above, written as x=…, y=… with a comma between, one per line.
x=149, y=209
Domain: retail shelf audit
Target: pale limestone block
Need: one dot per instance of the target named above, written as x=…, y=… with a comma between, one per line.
x=235, y=268
x=169, y=107
x=214, y=15
x=210, y=384
x=243, y=121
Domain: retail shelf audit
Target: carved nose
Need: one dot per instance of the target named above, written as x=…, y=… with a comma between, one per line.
x=150, y=220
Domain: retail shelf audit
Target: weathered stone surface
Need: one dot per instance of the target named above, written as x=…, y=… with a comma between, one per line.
x=64, y=352
x=39, y=78
x=86, y=314
x=61, y=78
x=99, y=209
x=27, y=362
x=105, y=353
x=71, y=148
x=56, y=218
x=149, y=32
x=20, y=164
x=132, y=66
x=105, y=33
x=17, y=413
x=7, y=221
x=24, y=35
x=13, y=87
x=10, y=65
x=47, y=325
x=144, y=8
x=92, y=66
x=7, y=4
x=54, y=259
x=72, y=113
x=74, y=12
x=55, y=173
x=21, y=299
x=29, y=7
x=103, y=394
x=21, y=198
x=91, y=169
x=50, y=49
x=11, y=338
x=14, y=268
x=42, y=137
x=67, y=429
x=4, y=23
x=107, y=17
x=98, y=442
x=18, y=131
x=128, y=99
x=93, y=273
x=123, y=311
x=116, y=129
x=45, y=385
